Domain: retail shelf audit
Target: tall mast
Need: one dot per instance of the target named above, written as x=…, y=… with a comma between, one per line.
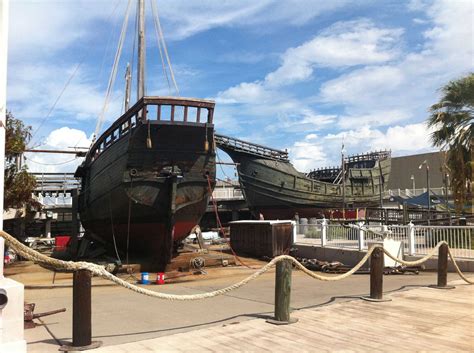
x=128, y=87
x=141, y=50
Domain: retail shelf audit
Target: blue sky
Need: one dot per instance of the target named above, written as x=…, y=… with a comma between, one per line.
x=296, y=75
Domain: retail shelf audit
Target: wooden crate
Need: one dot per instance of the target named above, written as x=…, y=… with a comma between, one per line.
x=261, y=238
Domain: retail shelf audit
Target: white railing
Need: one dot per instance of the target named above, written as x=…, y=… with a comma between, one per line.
x=416, y=240
x=227, y=194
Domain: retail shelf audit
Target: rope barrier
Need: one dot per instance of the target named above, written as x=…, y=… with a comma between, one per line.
x=35, y=256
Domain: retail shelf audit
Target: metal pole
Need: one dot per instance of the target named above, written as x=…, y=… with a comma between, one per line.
x=429, y=193
x=282, y=294
x=381, y=190
x=446, y=182
x=4, y=5
x=343, y=170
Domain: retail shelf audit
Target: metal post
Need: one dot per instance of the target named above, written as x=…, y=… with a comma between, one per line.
x=446, y=182
x=429, y=192
x=411, y=238
x=81, y=313
x=343, y=171
x=282, y=294
x=443, y=268
x=324, y=232
x=361, y=237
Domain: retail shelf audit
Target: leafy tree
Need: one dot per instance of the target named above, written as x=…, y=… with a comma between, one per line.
x=453, y=120
x=19, y=185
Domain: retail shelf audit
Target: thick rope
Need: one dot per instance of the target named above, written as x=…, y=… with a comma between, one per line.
x=458, y=270
x=417, y=262
x=33, y=255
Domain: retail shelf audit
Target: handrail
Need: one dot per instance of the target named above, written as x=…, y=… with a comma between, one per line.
x=250, y=147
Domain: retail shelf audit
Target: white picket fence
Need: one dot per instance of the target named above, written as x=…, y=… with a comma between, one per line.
x=417, y=240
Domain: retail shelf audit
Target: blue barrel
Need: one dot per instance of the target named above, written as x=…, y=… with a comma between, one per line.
x=145, y=278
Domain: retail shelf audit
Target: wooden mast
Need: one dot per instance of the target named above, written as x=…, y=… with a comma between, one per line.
x=141, y=50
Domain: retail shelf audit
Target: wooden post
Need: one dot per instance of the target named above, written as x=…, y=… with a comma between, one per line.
x=282, y=294
x=81, y=313
x=443, y=268
x=376, y=276
x=376, y=273
x=74, y=211
x=81, y=309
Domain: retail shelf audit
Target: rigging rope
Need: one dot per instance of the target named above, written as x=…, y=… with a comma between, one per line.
x=113, y=74
x=161, y=37
x=163, y=64
x=59, y=96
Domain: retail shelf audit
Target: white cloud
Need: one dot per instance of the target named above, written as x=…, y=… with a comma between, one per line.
x=316, y=151
x=343, y=44
x=409, y=84
x=306, y=154
x=33, y=90
x=362, y=87
x=184, y=18
x=63, y=138
x=245, y=92
x=374, y=118
x=40, y=28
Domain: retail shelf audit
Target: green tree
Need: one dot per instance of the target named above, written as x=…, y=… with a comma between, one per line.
x=19, y=184
x=453, y=121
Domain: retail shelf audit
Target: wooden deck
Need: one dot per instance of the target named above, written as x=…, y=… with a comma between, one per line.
x=420, y=319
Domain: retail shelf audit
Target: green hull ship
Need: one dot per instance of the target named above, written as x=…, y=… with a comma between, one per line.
x=274, y=189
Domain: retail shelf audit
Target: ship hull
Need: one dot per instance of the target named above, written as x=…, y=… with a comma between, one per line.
x=274, y=189
x=148, y=189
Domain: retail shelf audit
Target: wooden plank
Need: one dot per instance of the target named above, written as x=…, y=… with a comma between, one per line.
x=416, y=320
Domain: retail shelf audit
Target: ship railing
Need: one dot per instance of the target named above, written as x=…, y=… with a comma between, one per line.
x=368, y=156
x=249, y=147
x=166, y=110
x=55, y=182
x=414, y=239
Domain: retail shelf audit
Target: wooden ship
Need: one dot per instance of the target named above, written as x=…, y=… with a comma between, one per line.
x=146, y=180
x=274, y=189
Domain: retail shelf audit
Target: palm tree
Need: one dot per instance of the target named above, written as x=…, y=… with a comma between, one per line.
x=453, y=121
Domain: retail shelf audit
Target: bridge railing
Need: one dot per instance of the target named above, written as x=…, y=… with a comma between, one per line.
x=416, y=240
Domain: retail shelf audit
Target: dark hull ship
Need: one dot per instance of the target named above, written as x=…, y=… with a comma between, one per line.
x=275, y=189
x=145, y=180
